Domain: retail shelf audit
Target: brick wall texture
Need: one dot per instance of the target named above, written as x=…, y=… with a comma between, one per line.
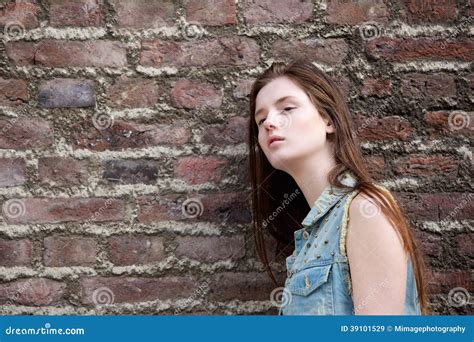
x=124, y=181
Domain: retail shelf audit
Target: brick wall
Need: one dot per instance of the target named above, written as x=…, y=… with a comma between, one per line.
x=123, y=170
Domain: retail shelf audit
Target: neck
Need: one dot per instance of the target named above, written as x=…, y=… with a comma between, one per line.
x=311, y=174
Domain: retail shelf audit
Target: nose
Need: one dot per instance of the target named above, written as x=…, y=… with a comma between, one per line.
x=270, y=122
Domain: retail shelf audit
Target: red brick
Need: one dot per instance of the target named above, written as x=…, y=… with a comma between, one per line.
x=144, y=13
x=223, y=207
x=69, y=251
x=243, y=87
x=420, y=86
x=63, y=170
x=222, y=51
x=134, y=290
x=330, y=51
x=131, y=171
x=13, y=92
x=12, y=172
x=197, y=170
x=376, y=87
x=444, y=207
x=21, y=14
x=211, y=12
x=464, y=244
x=210, y=249
x=279, y=11
x=356, y=12
x=454, y=122
x=25, y=133
x=55, y=210
x=125, y=135
x=234, y=131
x=15, y=252
x=376, y=166
x=429, y=11
x=408, y=49
x=427, y=165
x=386, y=128
x=57, y=53
x=241, y=286
x=133, y=93
x=430, y=244
x=32, y=291
x=135, y=250
x=193, y=94
x=76, y=13
x=442, y=281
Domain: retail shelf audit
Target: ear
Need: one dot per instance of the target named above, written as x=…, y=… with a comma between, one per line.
x=329, y=126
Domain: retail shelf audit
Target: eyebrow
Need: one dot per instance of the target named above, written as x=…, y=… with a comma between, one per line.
x=277, y=102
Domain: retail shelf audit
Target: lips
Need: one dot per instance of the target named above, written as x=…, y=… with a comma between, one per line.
x=274, y=138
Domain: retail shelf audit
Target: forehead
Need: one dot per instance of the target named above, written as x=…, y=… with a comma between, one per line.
x=277, y=88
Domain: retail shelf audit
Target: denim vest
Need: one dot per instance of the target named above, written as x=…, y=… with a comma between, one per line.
x=318, y=281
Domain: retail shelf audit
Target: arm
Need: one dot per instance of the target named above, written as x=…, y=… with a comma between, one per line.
x=377, y=261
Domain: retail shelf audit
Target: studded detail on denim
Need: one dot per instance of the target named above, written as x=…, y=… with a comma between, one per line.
x=318, y=275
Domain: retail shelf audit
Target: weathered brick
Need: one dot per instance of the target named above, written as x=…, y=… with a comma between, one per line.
x=76, y=13
x=234, y=131
x=144, y=13
x=66, y=92
x=408, y=49
x=427, y=165
x=32, y=291
x=135, y=250
x=55, y=210
x=429, y=11
x=386, y=128
x=221, y=51
x=465, y=243
x=57, y=53
x=376, y=166
x=20, y=14
x=15, y=252
x=280, y=11
x=376, y=87
x=13, y=92
x=133, y=93
x=243, y=88
x=419, y=86
x=25, y=133
x=210, y=249
x=330, y=51
x=134, y=290
x=131, y=171
x=454, y=122
x=241, y=286
x=211, y=12
x=124, y=135
x=356, y=12
x=430, y=244
x=444, y=207
x=223, y=207
x=63, y=170
x=196, y=170
x=69, y=251
x=442, y=281
x=12, y=172
x=193, y=94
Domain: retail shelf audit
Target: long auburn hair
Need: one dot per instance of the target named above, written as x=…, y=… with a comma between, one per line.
x=270, y=187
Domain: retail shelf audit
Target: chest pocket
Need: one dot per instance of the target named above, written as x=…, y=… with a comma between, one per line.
x=311, y=290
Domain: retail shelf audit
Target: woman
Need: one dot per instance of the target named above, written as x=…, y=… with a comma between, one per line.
x=353, y=251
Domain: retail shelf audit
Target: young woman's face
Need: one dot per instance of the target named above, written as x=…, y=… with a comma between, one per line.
x=283, y=110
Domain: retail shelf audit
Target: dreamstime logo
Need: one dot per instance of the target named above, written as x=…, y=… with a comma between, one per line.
x=280, y=297
x=370, y=30
x=14, y=30
x=102, y=121
x=13, y=208
x=192, y=208
x=369, y=209
x=103, y=296
x=458, y=120
x=281, y=207
x=458, y=296
x=192, y=30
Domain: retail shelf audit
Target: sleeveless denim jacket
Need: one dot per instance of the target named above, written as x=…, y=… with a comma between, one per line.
x=318, y=276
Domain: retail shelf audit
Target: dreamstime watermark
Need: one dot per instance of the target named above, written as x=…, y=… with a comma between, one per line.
x=458, y=120
x=99, y=212
x=103, y=296
x=15, y=29
x=192, y=208
x=192, y=30
x=21, y=288
x=370, y=30
x=458, y=297
x=383, y=284
x=13, y=208
x=369, y=209
x=465, y=201
x=9, y=125
x=281, y=207
x=102, y=121
x=201, y=289
x=280, y=297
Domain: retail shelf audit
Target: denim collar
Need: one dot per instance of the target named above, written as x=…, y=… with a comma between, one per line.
x=328, y=198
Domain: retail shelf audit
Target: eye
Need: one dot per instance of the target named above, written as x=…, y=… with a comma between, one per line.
x=287, y=109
